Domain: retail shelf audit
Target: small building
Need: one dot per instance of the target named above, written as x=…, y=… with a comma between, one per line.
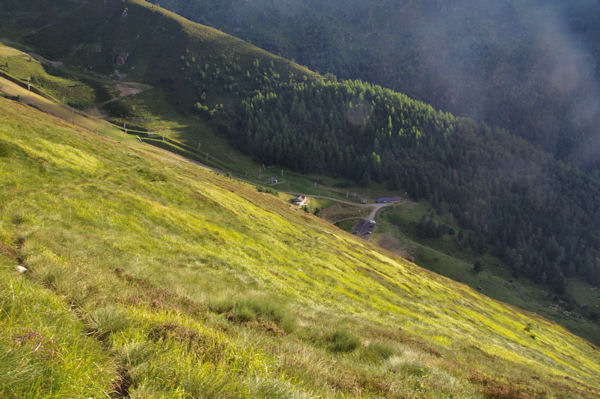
x=386, y=200
x=274, y=180
x=300, y=200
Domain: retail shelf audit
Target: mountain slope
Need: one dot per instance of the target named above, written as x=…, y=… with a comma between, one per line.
x=539, y=216
x=196, y=285
x=529, y=66
x=151, y=45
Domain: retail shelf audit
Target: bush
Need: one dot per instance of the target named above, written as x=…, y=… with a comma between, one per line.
x=343, y=341
x=268, y=190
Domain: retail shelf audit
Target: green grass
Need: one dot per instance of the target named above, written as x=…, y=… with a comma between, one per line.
x=57, y=82
x=197, y=139
x=343, y=341
x=157, y=278
x=44, y=348
x=200, y=240
x=396, y=231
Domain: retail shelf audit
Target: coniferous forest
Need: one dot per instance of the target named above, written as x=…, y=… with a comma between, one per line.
x=527, y=66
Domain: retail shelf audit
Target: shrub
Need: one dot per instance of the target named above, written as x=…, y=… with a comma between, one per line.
x=268, y=190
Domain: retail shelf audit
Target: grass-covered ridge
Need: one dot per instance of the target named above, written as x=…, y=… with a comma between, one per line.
x=136, y=40
x=181, y=283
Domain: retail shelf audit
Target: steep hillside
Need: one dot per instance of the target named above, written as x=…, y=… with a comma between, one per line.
x=148, y=276
x=529, y=66
x=540, y=217
x=136, y=40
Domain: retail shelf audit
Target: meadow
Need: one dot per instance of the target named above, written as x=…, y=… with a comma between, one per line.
x=151, y=277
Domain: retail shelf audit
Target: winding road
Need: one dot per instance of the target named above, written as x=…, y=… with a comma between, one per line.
x=364, y=229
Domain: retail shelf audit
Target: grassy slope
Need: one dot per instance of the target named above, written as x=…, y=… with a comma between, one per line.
x=170, y=281
x=47, y=78
x=156, y=113
x=149, y=110
x=444, y=256
x=158, y=47
x=180, y=53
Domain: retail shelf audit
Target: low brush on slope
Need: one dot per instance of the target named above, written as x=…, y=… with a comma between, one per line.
x=152, y=277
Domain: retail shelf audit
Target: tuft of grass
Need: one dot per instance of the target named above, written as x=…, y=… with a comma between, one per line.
x=342, y=341
x=256, y=309
x=415, y=370
x=376, y=351
x=18, y=219
x=105, y=321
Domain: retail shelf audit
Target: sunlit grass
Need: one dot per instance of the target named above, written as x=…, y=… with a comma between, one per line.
x=446, y=257
x=176, y=282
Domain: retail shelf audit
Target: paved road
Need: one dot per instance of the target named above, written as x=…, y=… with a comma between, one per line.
x=377, y=207
x=364, y=229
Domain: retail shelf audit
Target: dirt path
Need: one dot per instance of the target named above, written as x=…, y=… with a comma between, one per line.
x=126, y=89
x=43, y=60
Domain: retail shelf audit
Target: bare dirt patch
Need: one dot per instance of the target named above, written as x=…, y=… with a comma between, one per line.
x=57, y=64
x=126, y=90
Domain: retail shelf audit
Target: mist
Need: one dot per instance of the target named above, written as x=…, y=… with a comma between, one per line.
x=528, y=66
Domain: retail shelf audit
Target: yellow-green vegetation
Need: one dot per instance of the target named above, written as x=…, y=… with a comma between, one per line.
x=51, y=78
x=449, y=256
x=44, y=347
x=339, y=212
x=152, y=277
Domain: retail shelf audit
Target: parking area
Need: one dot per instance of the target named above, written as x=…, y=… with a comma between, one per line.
x=364, y=228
